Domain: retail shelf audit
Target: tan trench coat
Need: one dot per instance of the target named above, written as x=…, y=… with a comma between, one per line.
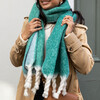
x=80, y=59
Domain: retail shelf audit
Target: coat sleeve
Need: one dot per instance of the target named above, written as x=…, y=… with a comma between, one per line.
x=18, y=49
x=79, y=51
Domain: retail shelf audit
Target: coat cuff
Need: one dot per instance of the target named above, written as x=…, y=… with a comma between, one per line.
x=24, y=41
x=72, y=42
x=20, y=43
x=66, y=36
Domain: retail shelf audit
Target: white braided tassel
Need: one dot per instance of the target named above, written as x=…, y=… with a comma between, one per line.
x=46, y=87
x=62, y=83
x=64, y=90
x=37, y=79
x=28, y=81
x=54, y=83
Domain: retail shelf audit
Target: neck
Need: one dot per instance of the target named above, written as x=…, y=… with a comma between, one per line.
x=51, y=22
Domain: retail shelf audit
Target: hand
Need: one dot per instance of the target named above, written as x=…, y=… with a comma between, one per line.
x=31, y=27
x=69, y=21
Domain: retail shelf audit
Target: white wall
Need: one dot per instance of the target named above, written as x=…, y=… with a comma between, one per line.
x=12, y=13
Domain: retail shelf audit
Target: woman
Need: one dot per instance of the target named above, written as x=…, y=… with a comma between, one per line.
x=79, y=52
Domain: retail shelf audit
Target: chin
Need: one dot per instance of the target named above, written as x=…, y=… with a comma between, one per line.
x=46, y=8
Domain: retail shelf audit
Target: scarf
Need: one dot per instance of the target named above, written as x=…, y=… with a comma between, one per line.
x=56, y=60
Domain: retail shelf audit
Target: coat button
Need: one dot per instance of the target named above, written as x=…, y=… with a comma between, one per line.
x=70, y=49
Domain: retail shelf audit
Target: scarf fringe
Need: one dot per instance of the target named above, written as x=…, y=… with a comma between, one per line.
x=47, y=85
x=54, y=83
x=37, y=79
x=64, y=92
x=28, y=81
x=63, y=85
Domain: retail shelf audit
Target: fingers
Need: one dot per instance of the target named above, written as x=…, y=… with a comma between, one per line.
x=36, y=29
x=65, y=21
x=31, y=27
x=35, y=24
x=68, y=17
x=35, y=19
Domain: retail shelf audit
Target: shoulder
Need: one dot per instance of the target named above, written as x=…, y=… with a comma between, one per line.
x=25, y=21
x=81, y=26
x=80, y=29
x=26, y=17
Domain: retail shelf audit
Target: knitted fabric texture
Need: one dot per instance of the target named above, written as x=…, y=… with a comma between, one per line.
x=56, y=60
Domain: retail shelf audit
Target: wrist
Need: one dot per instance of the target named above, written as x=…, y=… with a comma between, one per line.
x=24, y=40
x=67, y=34
x=68, y=31
x=24, y=37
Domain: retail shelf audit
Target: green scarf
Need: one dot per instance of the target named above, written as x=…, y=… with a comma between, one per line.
x=56, y=60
